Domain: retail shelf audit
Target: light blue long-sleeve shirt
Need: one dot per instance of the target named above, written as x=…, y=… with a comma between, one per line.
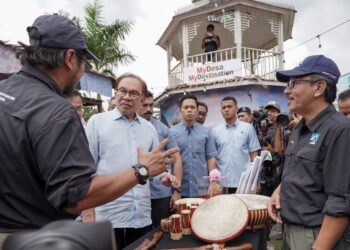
x=233, y=145
x=113, y=141
x=195, y=149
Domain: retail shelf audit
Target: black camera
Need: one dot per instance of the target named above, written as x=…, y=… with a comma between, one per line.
x=259, y=115
x=283, y=119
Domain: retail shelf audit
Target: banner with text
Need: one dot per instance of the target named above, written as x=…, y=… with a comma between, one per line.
x=212, y=71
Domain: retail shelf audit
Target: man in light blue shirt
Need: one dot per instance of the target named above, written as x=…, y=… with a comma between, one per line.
x=236, y=143
x=162, y=198
x=197, y=151
x=114, y=138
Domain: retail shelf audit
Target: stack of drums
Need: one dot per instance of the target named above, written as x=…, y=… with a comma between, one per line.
x=257, y=209
x=180, y=223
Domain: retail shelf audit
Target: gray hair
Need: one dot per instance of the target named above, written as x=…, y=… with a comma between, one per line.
x=331, y=87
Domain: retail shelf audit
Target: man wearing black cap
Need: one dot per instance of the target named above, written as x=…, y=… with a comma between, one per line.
x=313, y=198
x=47, y=171
x=244, y=114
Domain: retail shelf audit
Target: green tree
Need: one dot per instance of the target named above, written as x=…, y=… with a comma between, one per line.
x=104, y=40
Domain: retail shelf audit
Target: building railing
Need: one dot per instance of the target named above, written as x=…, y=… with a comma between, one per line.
x=263, y=63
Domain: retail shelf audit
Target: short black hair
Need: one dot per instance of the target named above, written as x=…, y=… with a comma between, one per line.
x=344, y=95
x=131, y=75
x=149, y=94
x=189, y=96
x=203, y=104
x=229, y=98
x=210, y=26
x=74, y=93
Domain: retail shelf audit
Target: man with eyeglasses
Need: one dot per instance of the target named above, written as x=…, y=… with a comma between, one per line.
x=47, y=172
x=114, y=138
x=313, y=199
x=202, y=112
x=77, y=102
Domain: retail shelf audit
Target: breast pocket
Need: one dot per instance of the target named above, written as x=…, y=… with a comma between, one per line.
x=240, y=141
x=312, y=162
x=199, y=146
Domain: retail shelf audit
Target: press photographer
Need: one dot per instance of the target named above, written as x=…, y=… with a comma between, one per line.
x=270, y=123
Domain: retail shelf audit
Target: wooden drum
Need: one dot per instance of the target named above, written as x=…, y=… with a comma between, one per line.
x=220, y=219
x=257, y=208
x=179, y=204
x=165, y=224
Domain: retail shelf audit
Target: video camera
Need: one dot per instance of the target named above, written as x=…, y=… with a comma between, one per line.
x=283, y=119
x=260, y=118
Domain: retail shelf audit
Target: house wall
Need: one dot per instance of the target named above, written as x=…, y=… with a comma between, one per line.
x=8, y=61
x=252, y=96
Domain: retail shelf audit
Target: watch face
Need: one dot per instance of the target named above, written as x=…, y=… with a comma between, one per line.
x=143, y=171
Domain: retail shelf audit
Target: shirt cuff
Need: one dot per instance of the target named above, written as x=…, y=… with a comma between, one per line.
x=337, y=205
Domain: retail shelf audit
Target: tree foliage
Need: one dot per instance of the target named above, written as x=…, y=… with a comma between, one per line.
x=104, y=40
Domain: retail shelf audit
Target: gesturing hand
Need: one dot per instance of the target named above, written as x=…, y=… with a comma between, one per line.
x=156, y=160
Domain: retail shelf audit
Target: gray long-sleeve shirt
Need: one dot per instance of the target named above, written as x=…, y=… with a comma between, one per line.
x=316, y=175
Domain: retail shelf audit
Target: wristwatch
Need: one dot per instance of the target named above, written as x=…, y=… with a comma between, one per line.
x=177, y=189
x=141, y=173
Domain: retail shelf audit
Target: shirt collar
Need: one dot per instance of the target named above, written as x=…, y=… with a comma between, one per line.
x=232, y=126
x=320, y=117
x=117, y=115
x=37, y=73
x=184, y=125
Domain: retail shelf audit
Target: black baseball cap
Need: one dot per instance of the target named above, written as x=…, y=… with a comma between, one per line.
x=317, y=64
x=59, y=32
x=244, y=109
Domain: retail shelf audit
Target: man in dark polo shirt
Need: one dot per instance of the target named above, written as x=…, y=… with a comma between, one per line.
x=46, y=169
x=314, y=196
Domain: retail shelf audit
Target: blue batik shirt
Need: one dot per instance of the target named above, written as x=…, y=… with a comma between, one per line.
x=158, y=190
x=195, y=149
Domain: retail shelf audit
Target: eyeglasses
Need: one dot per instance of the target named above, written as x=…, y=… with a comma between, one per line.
x=291, y=83
x=133, y=94
x=88, y=65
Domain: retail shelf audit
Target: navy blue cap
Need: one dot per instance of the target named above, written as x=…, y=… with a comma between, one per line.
x=244, y=109
x=58, y=32
x=318, y=64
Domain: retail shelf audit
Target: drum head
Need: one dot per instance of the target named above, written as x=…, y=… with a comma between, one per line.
x=189, y=201
x=220, y=219
x=254, y=201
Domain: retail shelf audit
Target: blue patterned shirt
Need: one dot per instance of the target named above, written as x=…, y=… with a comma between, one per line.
x=113, y=141
x=195, y=149
x=158, y=190
x=233, y=144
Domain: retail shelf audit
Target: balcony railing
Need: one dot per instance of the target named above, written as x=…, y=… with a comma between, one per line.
x=263, y=63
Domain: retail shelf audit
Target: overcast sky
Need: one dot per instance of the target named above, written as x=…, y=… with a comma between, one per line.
x=151, y=17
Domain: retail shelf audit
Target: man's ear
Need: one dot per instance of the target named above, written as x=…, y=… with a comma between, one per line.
x=320, y=88
x=69, y=58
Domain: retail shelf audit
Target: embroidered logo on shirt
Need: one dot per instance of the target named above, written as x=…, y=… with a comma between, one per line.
x=314, y=138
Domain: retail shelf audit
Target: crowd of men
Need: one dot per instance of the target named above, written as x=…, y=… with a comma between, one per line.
x=129, y=168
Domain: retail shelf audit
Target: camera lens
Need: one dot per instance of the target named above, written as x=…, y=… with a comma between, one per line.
x=282, y=120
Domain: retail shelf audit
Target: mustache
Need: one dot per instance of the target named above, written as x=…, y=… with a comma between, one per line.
x=148, y=113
